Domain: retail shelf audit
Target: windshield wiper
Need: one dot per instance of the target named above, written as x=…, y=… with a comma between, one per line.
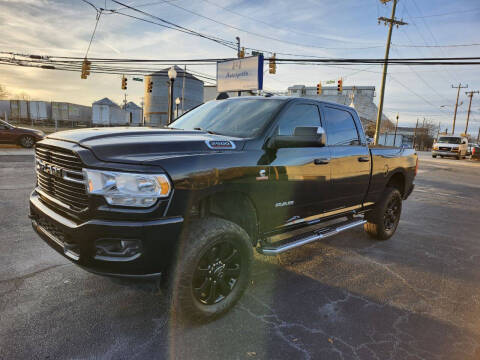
x=208, y=131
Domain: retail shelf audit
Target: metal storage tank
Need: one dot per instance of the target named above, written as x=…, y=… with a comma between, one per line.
x=59, y=111
x=134, y=113
x=156, y=102
x=19, y=110
x=38, y=110
x=5, y=109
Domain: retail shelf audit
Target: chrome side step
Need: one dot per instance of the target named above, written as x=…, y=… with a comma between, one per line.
x=320, y=234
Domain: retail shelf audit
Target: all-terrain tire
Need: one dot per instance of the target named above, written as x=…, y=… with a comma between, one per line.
x=382, y=222
x=198, y=242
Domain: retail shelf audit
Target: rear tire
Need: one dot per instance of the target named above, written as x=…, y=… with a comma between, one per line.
x=212, y=270
x=27, y=141
x=434, y=156
x=383, y=221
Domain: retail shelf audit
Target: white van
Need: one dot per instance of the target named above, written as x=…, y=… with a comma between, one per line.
x=450, y=145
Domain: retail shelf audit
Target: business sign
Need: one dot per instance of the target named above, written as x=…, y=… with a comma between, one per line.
x=240, y=74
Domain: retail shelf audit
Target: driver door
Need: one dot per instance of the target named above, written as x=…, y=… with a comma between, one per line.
x=299, y=181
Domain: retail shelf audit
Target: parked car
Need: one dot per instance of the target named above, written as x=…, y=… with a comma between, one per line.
x=470, y=148
x=10, y=134
x=476, y=152
x=450, y=146
x=192, y=200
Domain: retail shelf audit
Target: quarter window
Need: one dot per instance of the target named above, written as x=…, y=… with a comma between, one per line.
x=341, y=129
x=298, y=115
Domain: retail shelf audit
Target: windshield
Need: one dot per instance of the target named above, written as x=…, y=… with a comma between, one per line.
x=239, y=118
x=450, y=140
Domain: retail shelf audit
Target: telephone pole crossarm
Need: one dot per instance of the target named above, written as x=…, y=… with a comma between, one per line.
x=393, y=21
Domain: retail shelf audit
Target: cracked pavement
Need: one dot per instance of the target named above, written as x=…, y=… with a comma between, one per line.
x=415, y=296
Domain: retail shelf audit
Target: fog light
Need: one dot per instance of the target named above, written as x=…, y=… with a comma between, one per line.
x=117, y=249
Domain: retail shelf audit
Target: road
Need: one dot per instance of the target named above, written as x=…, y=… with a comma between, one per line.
x=415, y=296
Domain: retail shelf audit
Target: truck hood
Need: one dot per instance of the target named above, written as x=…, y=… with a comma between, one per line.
x=146, y=145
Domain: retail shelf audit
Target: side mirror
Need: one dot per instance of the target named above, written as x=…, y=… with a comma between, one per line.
x=303, y=136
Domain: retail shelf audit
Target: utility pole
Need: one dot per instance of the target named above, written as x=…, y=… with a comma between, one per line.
x=470, y=95
x=183, y=87
x=438, y=130
x=391, y=21
x=238, y=56
x=396, y=127
x=415, y=134
x=456, y=104
x=478, y=136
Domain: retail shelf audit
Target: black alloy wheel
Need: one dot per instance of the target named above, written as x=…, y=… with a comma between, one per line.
x=392, y=213
x=217, y=272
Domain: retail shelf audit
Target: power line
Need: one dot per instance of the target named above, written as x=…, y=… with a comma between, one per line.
x=448, y=13
x=288, y=30
x=436, y=46
x=173, y=25
x=248, y=31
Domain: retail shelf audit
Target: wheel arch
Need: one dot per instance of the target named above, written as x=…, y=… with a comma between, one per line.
x=398, y=181
x=234, y=206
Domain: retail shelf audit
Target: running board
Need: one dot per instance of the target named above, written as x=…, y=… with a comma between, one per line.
x=319, y=234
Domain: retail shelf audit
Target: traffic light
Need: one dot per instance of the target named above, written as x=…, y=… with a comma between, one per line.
x=150, y=86
x=85, y=68
x=242, y=53
x=340, y=85
x=124, y=83
x=272, y=66
x=319, y=89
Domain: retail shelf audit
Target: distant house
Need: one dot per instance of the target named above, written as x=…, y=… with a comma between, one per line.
x=107, y=113
x=134, y=113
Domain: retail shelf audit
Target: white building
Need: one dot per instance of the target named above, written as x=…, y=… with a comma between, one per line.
x=363, y=99
x=134, y=113
x=106, y=113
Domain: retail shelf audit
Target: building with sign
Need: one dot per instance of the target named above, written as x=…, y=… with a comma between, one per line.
x=359, y=97
x=156, y=102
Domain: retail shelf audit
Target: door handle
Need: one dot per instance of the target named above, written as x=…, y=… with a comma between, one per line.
x=364, y=159
x=321, y=161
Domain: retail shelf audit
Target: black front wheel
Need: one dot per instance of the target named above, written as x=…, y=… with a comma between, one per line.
x=212, y=270
x=383, y=221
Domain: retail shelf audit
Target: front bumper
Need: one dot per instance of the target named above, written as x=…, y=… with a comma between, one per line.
x=78, y=242
x=445, y=153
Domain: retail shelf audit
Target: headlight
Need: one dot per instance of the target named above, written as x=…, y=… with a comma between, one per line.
x=127, y=189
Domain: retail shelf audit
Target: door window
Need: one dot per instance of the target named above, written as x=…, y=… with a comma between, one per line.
x=341, y=129
x=298, y=115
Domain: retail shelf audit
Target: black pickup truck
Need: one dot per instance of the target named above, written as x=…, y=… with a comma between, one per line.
x=191, y=201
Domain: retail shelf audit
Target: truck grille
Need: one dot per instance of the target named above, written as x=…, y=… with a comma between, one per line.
x=59, y=176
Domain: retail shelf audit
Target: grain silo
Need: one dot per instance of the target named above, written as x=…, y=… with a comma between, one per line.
x=156, y=102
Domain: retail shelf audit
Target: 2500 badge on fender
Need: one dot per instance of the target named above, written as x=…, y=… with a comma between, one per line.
x=191, y=201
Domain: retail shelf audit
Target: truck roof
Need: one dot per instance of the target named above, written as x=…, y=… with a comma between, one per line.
x=287, y=98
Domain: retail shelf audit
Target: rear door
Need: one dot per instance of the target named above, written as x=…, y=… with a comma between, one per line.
x=350, y=158
x=299, y=182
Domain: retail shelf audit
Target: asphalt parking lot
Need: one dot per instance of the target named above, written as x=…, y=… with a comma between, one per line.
x=415, y=296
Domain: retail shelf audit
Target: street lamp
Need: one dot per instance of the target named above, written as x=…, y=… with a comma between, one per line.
x=172, y=74
x=177, y=102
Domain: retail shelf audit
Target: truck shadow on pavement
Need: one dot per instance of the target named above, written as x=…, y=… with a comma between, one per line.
x=316, y=302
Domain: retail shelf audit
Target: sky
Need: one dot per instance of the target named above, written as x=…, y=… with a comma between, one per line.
x=321, y=28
